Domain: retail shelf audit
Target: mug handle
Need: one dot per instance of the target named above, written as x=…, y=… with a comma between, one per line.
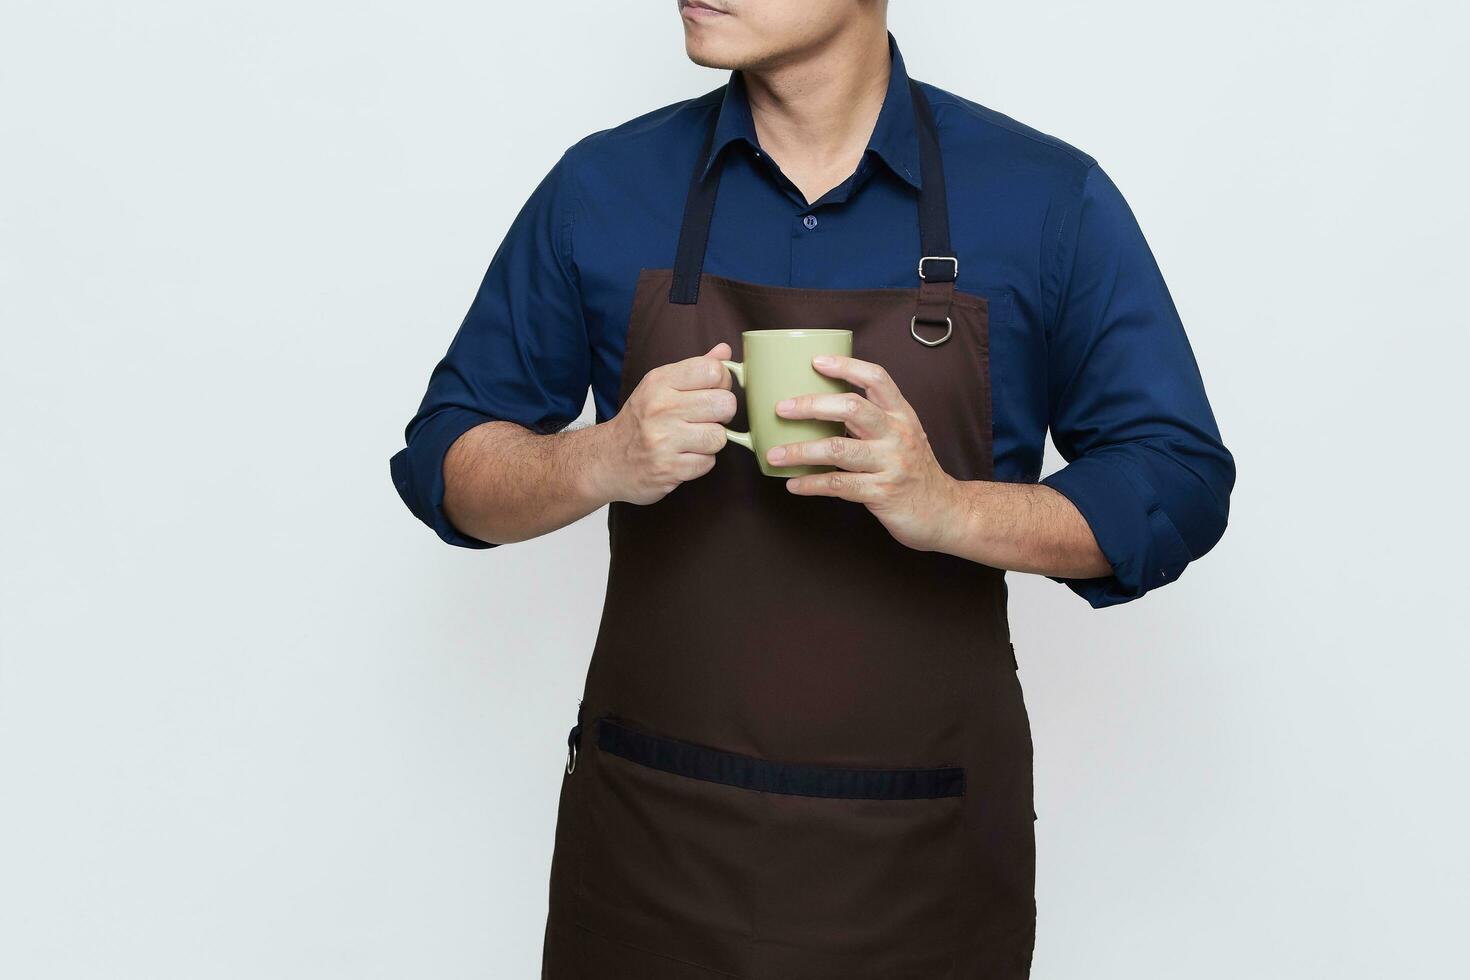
x=738, y=438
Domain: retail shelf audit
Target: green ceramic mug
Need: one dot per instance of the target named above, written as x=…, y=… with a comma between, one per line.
x=777, y=365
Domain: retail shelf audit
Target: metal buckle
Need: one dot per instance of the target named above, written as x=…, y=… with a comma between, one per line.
x=940, y=258
x=914, y=329
x=574, y=739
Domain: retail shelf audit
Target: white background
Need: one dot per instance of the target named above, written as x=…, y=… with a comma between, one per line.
x=256, y=721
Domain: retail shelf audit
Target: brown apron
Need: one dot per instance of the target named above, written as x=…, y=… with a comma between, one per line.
x=802, y=750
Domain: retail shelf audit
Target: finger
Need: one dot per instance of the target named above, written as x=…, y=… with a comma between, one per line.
x=852, y=455
x=704, y=371
x=691, y=466
x=703, y=405
x=877, y=384
x=838, y=483
x=705, y=438
x=863, y=419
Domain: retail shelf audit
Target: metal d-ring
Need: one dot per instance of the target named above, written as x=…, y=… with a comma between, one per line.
x=914, y=329
x=574, y=739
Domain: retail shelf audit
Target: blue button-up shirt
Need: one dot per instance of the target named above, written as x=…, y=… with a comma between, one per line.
x=1084, y=337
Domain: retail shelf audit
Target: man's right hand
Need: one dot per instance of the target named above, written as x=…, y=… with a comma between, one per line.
x=668, y=429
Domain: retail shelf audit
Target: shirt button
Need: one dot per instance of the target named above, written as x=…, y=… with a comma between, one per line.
x=810, y=221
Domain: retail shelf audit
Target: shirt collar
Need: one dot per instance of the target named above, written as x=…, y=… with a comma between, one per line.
x=894, y=139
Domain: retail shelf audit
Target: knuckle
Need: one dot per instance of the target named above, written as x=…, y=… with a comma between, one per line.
x=851, y=404
x=836, y=482
x=837, y=446
x=653, y=383
x=695, y=468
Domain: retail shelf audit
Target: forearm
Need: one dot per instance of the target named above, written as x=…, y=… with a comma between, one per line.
x=1023, y=527
x=505, y=483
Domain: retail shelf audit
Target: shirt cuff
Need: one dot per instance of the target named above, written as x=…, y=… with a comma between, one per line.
x=418, y=471
x=1132, y=529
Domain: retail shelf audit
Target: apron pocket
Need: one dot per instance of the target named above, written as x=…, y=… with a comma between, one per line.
x=757, y=867
x=863, y=889
x=666, y=859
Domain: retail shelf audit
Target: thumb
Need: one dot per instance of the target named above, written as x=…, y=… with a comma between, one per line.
x=721, y=350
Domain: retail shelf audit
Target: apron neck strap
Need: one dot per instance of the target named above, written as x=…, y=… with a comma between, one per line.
x=699, y=209
x=938, y=263
x=937, y=266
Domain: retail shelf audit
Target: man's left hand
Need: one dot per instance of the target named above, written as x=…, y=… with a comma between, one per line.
x=884, y=462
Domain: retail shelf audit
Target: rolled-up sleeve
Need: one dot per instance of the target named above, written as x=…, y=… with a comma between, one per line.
x=520, y=355
x=1146, y=466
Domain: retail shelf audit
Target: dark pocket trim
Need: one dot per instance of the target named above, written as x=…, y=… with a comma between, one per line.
x=749, y=772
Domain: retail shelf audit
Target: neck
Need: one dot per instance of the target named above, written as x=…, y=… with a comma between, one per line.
x=815, y=114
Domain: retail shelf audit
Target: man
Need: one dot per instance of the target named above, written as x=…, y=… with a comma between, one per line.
x=802, y=749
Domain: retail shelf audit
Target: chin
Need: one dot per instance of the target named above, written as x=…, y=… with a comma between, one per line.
x=709, y=53
x=729, y=46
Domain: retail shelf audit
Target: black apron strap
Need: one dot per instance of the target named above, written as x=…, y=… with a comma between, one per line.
x=699, y=210
x=937, y=267
x=933, y=202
